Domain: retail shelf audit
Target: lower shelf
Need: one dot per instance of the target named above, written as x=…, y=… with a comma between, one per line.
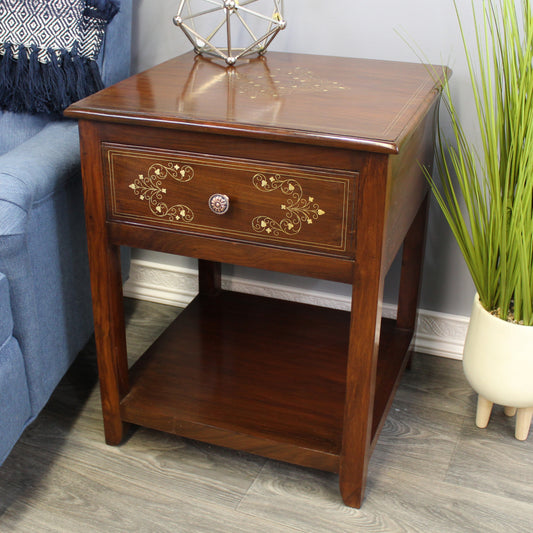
x=255, y=374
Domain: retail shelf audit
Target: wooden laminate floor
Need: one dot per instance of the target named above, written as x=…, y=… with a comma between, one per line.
x=432, y=470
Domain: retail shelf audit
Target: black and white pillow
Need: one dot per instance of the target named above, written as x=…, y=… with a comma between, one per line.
x=48, y=52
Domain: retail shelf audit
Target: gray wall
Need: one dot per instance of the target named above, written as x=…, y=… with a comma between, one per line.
x=375, y=29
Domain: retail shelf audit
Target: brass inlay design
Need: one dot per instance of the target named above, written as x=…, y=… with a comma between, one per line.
x=277, y=83
x=139, y=174
x=150, y=188
x=299, y=210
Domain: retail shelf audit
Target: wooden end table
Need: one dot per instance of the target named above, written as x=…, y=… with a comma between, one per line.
x=294, y=163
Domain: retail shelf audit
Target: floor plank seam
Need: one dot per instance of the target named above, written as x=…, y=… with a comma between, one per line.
x=254, y=481
x=277, y=523
x=454, y=451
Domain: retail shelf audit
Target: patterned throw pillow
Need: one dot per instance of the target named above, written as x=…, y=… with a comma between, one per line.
x=48, y=52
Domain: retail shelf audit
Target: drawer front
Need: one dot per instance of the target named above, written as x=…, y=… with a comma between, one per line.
x=269, y=204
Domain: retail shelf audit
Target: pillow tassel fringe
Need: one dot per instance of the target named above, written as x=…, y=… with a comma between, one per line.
x=27, y=85
x=7, y=65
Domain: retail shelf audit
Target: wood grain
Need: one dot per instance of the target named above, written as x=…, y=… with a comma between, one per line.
x=216, y=381
x=320, y=158
x=367, y=294
x=269, y=203
x=186, y=92
x=106, y=287
x=396, y=501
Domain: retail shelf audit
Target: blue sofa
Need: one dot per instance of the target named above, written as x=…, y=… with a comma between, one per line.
x=45, y=304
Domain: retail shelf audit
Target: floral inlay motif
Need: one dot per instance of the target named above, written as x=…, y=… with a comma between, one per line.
x=298, y=209
x=150, y=188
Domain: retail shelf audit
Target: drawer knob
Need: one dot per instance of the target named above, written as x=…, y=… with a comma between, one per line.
x=219, y=204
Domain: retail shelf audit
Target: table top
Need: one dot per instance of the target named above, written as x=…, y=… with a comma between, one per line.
x=342, y=102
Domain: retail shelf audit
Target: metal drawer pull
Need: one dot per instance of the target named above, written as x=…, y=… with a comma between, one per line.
x=219, y=204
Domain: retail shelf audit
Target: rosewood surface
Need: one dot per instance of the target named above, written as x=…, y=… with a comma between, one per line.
x=320, y=158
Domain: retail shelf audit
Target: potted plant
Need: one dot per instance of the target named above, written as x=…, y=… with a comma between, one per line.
x=486, y=195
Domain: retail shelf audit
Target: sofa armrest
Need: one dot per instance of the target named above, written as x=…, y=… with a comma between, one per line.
x=43, y=253
x=29, y=174
x=33, y=170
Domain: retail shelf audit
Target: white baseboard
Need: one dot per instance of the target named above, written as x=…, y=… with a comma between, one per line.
x=436, y=333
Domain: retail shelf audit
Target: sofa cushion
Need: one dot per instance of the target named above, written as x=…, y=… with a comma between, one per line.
x=15, y=408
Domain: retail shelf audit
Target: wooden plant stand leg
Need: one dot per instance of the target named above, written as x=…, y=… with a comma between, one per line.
x=484, y=409
x=509, y=411
x=523, y=422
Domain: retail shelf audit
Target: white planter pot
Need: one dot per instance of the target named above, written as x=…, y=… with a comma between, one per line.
x=498, y=364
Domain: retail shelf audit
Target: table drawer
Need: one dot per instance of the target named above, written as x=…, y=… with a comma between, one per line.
x=269, y=204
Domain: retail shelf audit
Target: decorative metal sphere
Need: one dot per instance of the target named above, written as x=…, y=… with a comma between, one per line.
x=214, y=26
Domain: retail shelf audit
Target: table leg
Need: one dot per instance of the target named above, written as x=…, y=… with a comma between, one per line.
x=109, y=331
x=412, y=260
x=360, y=389
x=365, y=327
x=106, y=287
x=366, y=324
x=209, y=277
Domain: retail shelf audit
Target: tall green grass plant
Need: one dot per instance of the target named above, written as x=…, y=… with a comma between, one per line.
x=486, y=195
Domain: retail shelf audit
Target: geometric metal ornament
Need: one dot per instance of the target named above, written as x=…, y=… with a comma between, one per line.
x=230, y=29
